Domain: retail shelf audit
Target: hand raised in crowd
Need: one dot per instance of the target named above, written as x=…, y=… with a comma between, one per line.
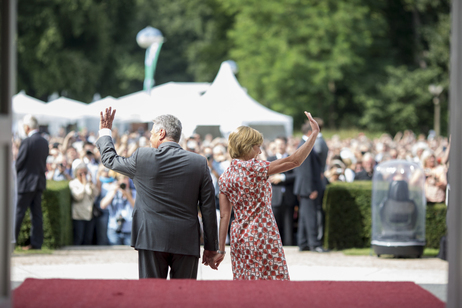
x=275, y=178
x=107, y=118
x=313, y=195
x=82, y=177
x=124, y=189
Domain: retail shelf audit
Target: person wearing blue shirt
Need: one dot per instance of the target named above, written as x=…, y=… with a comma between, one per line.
x=119, y=200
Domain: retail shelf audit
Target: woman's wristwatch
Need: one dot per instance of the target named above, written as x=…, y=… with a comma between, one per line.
x=221, y=252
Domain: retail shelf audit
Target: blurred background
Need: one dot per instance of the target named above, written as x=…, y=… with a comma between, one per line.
x=380, y=66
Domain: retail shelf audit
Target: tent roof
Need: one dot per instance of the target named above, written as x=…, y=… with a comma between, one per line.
x=97, y=106
x=24, y=104
x=227, y=104
x=68, y=109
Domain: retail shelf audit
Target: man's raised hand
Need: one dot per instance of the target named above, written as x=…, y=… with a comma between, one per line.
x=107, y=118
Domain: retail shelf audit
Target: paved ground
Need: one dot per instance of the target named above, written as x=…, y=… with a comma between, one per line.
x=121, y=262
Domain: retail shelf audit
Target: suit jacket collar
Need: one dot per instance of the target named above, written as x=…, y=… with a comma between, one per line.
x=169, y=144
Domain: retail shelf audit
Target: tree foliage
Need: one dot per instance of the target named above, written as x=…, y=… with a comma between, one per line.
x=356, y=63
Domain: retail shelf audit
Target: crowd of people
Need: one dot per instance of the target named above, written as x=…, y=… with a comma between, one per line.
x=103, y=200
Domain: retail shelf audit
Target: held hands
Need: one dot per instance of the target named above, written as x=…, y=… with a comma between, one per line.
x=107, y=118
x=208, y=258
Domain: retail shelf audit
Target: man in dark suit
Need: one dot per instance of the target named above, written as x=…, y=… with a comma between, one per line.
x=368, y=165
x=171, y=184
x=283, y=200
x=31, y=180
x=307, y=187
x=322, y=150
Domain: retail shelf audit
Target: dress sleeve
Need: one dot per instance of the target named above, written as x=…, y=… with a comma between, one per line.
x=221, y=184
x=261, y=168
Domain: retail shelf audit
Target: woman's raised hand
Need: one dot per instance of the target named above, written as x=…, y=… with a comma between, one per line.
x=313, y=123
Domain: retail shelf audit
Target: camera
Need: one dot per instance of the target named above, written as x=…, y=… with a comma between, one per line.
x=120, y=222
x=122, y=186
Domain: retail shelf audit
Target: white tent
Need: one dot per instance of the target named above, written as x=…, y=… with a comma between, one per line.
x=94, y=109
x=171, y=98
x=225, y=105
x=228, y=105
x=24, y=104
x=68, y=111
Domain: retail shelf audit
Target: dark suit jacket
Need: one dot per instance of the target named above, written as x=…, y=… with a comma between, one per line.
x=170, y=182
x=308, y=176
x=321, y=149
x=31, y=164
x=288, y=185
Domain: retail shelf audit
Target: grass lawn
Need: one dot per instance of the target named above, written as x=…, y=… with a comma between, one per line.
x=44, y=251
x=428, y=252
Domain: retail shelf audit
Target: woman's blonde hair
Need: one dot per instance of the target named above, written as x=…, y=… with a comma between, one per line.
x=241, y=141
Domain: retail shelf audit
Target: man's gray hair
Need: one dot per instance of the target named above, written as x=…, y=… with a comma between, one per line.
x=170, y=124
x=30, y=121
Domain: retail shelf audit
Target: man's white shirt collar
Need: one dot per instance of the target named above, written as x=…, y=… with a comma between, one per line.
x=34, y=131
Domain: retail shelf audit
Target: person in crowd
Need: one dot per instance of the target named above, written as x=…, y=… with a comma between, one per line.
x=119, y=201
x=283, y=200
x=322, y=151
x=31, y=180
x=171, y=185
x=60, y=170
x=348, y=171
x=256, y=247
x=320, y=146
x=435, y=178
x=337, y=171
x=307, y=187
x=368, y=166
x=84, y=193
x=105, y=179
x=220, y=162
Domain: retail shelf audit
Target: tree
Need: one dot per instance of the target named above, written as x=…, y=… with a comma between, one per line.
x=403, y=101
x=70, y=47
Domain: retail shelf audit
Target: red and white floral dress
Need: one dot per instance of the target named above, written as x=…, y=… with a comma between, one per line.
x=256, y=247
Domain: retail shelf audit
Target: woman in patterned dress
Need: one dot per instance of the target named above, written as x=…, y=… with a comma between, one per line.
x=256, y=247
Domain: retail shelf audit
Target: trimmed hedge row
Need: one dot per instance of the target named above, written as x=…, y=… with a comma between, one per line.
x=57, y=217
x=347, y=223
x=348, y=218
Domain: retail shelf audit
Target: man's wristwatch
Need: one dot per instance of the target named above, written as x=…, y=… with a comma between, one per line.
x=221, y=252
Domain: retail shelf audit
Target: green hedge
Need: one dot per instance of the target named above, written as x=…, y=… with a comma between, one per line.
x=57, y=217
x=348, y=219
x=435, y=224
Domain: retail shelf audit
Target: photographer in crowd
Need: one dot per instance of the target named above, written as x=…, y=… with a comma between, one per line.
x=84, y=193
x=119, y=200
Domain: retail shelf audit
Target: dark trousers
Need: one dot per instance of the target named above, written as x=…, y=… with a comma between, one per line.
x=284, y=215
x=32, y=200
x=320, y=216
x=155, y=264
x=83, y=231
x=307, y=224
x=101, y=228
